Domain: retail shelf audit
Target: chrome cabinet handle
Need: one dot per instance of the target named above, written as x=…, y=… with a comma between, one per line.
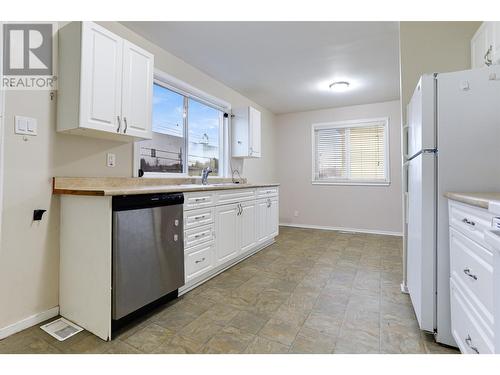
x=240, y=209
x=119, y=124
x=199, y=261
x=468, y=222
x=487, y=57
x=199, y=199
x=468, y=273
x=199, y=235
x=199, y=217
x=268, y=203
x=126, y=125
x=468, y=341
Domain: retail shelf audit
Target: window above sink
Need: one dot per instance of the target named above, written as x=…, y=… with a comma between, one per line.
x=189, y=132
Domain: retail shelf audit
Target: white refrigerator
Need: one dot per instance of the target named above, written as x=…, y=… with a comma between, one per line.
x=453, y=145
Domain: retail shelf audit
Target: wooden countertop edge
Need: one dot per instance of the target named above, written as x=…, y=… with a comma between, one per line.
x=470, y=198
x=78, y=192
x=152, y=190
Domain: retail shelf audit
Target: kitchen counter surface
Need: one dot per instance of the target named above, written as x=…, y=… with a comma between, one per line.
x=482, y=200
x=109, y=186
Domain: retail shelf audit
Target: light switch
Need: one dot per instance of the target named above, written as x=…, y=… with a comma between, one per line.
x=25, y=125
x=21, y=125
x=32, y=126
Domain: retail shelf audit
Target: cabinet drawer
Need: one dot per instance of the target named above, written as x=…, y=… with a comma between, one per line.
x=470, y=221
x=199, y=235
x=472, y=269
x=200, y=199
x=267, y=192
x=467, y=330
x=199, y=260
x=235, y=195
x=198, y=217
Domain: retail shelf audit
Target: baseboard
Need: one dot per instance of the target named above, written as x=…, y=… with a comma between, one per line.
x=353, y=230
x=28, y=322
x=404, y=288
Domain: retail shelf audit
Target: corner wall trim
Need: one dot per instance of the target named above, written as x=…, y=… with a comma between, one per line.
x=354, y=230
x=28, y=322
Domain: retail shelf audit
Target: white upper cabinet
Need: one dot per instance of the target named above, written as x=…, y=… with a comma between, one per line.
x=246, y=132
x=101, y=78
x=485, y=45
x=105, y=84
x=137, y=90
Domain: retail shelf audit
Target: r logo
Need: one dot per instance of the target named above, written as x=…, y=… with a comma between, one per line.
x=27, y=49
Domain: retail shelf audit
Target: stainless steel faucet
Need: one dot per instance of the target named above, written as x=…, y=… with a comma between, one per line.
x=204, y=175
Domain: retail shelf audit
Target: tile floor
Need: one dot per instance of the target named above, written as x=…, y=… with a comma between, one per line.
x=311, y=292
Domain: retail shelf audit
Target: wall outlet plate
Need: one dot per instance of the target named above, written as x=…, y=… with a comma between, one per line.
x=110, y=160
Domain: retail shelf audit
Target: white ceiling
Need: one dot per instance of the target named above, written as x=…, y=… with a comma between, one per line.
x=287, y=66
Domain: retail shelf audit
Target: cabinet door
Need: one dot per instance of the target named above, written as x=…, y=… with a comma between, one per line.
x=273, y=224
x=480, y=44
x=101, y=78
x=137, y=90
x=262, y=220
x=495, y=41
x=247, y=226
x=226, y=232
x=254, y=132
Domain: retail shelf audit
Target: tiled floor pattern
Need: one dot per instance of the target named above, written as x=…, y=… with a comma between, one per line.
x=311, y=292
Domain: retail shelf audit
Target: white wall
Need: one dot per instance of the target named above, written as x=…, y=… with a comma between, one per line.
x=364, y=208
x=29, y=253
x=429, y=47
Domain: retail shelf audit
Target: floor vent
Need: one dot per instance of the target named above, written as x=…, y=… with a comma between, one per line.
x=61, y=329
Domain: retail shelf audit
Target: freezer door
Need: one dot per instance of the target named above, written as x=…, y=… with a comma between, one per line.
x=421, y=116
x=469, y=158
x=421, y=238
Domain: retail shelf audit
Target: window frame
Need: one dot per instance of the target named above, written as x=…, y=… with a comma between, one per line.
x=190, y=92
x=352, y=124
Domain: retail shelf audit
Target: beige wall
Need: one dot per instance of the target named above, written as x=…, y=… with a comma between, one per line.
x=428, y=47
x=29, y=253
x=371, y=208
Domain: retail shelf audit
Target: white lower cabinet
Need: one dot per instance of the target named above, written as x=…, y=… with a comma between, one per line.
x=226, y=229
x=199, y=260
x=267, y=219
x=247, y=238
x=221, y=228
x=471, y=279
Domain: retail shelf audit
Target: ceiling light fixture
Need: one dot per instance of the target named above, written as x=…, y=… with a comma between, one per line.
x=339, y=86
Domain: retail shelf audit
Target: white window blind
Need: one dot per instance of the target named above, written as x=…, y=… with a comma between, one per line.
x=353, y=152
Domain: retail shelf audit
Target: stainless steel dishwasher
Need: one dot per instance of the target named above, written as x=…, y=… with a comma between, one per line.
x=148, y=250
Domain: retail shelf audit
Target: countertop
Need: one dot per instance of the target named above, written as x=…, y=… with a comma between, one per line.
x=109, y=186
x=482, y=200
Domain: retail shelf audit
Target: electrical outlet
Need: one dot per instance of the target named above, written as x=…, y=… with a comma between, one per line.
x=110, y=160
x=296, y=213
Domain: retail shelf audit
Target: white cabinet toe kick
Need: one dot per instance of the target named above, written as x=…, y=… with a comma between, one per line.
x=221, y=228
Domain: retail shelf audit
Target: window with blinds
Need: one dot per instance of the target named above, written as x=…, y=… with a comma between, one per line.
x=353, y=152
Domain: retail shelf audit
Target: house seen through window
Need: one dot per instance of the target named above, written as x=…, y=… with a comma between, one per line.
x=187, y=135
